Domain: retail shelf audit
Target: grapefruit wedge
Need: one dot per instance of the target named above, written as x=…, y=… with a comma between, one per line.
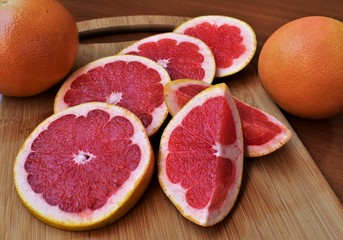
x=262, y=133
x=232, y=41
x=181, y=55
x=133, y=82
x=201, y=157
x=84, y=167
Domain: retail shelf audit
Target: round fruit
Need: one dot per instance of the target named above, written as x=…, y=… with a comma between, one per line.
x=133, y=82
x=201, y=157
x=84, y=167
x=38, y=45
x=301, y=67
x=262, y=133
x=232, y=41
x=182, y=56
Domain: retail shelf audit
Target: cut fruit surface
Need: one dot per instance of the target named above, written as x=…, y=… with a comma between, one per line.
x=181, y=55
x=262, y=132
x=133, y=82
x=84, y=167
x=201, y=157
x=232, y=41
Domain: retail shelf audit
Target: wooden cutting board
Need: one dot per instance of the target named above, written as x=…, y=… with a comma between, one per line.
x=283, y=195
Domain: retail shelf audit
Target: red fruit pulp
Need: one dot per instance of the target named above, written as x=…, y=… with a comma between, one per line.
x=181, y=60
x=225, y=41
x=257, y=129
x=129, y=85
x=92, y=157
x=203, y=161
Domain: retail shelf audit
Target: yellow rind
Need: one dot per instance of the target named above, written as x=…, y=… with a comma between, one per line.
x=220, y=73
x=124, y=206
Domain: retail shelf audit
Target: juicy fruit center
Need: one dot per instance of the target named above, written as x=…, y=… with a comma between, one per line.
x=131, y=85
x=163, y=62
x=202, y=155
x=83, y=157
x=79, y=162
x=180, y=59
x=114, y=98
x=225, y=41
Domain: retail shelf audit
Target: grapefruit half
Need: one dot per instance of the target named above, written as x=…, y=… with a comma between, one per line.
x=262, y=133
x=84, y=167
x=232, y=41
x=201, y=157
x=133, y=82
x=182, y=56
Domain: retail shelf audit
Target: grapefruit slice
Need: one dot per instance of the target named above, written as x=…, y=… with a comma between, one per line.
x=262, y=133
x=182, y=56
x=201, y=157
x=232, y=41
x=132, y=82
x=84, y=167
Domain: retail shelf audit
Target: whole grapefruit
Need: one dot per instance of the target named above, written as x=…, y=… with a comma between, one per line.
x=301, y=67
x=38, y=45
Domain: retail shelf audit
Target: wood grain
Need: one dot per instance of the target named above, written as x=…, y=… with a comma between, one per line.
x=283, y=196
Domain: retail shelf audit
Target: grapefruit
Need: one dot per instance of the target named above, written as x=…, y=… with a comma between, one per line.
x=262, y=133
x=232, y=41
x=301, y=67
x=182, y=56
x=84, y=167
x=201, y=157
x=133, y=82
x=38, y=45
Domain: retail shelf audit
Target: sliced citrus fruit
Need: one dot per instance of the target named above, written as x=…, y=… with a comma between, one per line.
x=133, y=82
x=182, y=56
x=262, y=133
x=232, y=41
x=84, y=167
x=201, y=157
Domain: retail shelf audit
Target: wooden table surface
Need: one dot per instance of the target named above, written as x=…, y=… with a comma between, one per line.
x=323, y=139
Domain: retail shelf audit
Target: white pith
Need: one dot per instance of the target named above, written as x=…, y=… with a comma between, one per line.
x=159, y=114
x=163, y=62
x=249, y=40
x=82, y=157
x=114, y=97
x=87, y=217
x=176, y=192
x=208, y=65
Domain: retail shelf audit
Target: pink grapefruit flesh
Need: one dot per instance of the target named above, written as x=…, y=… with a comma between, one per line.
x=201, y=157
x=84, y=167
x=232, y=41
x=182, y=56
x=132, y=82
x=262, y=132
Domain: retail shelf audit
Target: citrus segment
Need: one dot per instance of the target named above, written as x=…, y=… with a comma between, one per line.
x=262, y=133
x=232, y=41
x=132, y=82
x=84, y=167
x=182, y=56
x=201, y=157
